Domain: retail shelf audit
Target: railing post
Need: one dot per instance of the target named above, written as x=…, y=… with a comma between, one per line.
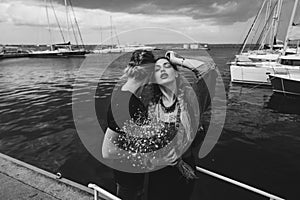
x=102, y=193
x=95, y=194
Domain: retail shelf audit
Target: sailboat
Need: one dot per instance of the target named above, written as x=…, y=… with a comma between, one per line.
x=287, y=84
x=65, y=49
x=288, y=80
x=121, y=48
x=252, y=67
x=265, y=47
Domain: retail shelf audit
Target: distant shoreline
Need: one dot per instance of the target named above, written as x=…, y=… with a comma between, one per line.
x=93, y=46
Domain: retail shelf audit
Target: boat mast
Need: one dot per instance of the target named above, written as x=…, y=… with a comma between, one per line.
x=268, y=9
x=50, y=44
x=101, y=35
x=111, y=32
x=267, y=30
x=67, y=17
x=271, y=26
x=290, y=26
x=116, y=35
x=276, y=22
x=271, y=39
x=77, y=26
x=252, y=26
x=60, y=30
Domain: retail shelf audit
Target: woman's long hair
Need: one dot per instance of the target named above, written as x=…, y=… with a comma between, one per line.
x=152, y=94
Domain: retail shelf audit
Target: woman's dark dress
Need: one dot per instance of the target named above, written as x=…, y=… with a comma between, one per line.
x=168, y=183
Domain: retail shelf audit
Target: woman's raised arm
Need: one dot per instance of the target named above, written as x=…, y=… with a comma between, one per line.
x=197, y=66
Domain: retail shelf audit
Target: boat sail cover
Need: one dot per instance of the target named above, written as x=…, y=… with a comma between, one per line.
x=294, y=33
x=63, y=44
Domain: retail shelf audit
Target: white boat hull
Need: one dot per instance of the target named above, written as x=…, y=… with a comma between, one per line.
x=250, y=74
x=58, y=53
x=259, y=73
x=124, y=49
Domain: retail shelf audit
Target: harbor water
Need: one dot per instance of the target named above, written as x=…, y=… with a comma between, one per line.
x=259, y=144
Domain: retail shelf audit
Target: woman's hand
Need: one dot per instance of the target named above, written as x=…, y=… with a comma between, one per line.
x=169, y=159
x=174, y=57
x=197, y=66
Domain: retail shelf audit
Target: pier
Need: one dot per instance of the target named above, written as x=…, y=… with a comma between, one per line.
x=19, y=180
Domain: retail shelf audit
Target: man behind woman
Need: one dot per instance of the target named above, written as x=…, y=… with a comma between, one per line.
x=170, y=101
x=125, y=106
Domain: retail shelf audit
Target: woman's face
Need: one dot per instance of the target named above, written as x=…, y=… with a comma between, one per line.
x=164, y=73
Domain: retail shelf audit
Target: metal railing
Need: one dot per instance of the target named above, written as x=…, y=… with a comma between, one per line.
x=102, y=193
x=108, y=196
x=237, y=183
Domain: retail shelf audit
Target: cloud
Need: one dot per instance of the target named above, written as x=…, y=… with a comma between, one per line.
x=3, y=12
x=218, y=11
x=21, y=13
x=33, y=13
x=96, y=13
x=199, y=20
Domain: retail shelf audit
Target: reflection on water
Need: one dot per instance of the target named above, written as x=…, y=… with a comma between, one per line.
x=36, y=123
x=284, y=104
x=260, y=142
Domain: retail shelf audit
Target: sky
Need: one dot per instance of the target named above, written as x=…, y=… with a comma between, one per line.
x=133, y=21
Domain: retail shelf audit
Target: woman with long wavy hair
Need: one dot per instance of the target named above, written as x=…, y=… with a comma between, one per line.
x=174, y=103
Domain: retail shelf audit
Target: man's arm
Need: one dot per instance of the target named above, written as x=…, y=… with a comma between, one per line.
x=109, y=149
